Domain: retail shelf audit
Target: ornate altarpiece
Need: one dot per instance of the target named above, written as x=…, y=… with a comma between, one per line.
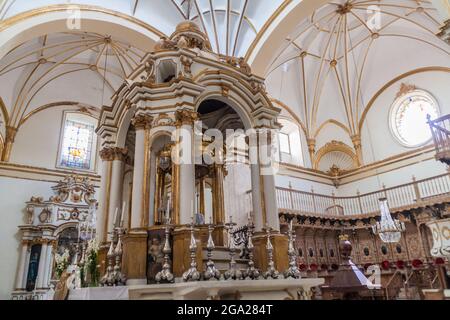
x=72, y=209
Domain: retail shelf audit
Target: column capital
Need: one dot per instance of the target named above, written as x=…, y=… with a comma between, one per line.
x=113, y=153
x=311, y=144
x=142, y=121
x=356, y=139
x=185, y=117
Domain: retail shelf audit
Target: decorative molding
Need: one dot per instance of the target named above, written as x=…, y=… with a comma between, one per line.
x=405, y=89
x=334, y=146
x=24, y=172
x=380, y=167
x=185, y=117
x=142, y=121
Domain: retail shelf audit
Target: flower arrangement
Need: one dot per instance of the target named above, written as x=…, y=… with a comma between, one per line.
x=62, y=262
x=91, y=268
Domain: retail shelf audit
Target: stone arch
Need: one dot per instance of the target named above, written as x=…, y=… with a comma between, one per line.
x=41, y=21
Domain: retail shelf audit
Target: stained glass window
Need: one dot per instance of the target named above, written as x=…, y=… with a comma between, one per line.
x=409, y=118
x=77, y=145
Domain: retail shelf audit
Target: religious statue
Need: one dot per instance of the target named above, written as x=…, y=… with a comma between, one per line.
x=155, y=256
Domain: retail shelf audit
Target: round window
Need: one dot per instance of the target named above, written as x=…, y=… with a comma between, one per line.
x=408, y=118
x=384, y=250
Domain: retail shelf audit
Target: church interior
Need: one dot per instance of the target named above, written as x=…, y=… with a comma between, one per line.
x=225, y=150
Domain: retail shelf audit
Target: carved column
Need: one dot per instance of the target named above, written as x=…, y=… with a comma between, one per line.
x=141, y=174
x=20, y=284
x=42, y=264
x=218, y=193
x=265, y=203
x=183, y=175
x=183, y=179
x=135, y=242
x=118, y=165
x=11, y=133
x=356, y=139
x=107, y=156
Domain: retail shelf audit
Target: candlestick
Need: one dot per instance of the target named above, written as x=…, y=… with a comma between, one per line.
x=122, y=214
x=115, y=217
x=292, y=271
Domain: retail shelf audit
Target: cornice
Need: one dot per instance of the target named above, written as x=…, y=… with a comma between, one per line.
x=24, y=172
x=373, y=169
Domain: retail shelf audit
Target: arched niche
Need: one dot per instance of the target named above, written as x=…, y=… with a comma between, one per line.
x=238, y=107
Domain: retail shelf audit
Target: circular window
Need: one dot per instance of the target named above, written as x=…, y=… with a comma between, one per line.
x=408, y=118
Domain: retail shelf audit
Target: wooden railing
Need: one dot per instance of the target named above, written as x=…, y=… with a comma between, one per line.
x=399, y=198
x=440, y=129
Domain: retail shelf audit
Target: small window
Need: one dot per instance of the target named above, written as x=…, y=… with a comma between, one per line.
x=408, y=118
x=285, y=144
x=167, y=71
x=321, y=253
x=300, y=252
x=366, y=252
x=311, y=253
x=399, y=249
x=384, y=250
x=77, y=149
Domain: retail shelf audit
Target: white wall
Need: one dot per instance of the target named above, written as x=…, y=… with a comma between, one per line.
x=303, y=185
x=38, y=140
x=378, y=143
x=394, y=178
x=13, y=195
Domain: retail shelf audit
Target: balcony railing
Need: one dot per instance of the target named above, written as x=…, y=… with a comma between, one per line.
x=440, y=129
x=402, y=197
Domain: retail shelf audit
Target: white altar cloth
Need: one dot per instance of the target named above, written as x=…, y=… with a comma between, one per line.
x=106, y=293
x=227, y=290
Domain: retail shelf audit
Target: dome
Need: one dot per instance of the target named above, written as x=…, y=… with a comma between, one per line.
x=187, y=26
x=191, y=31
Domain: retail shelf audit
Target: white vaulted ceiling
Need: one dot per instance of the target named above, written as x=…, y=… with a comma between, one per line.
x=335, y=61
x=324, y=69
x=231, y=25
x=63, y=67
